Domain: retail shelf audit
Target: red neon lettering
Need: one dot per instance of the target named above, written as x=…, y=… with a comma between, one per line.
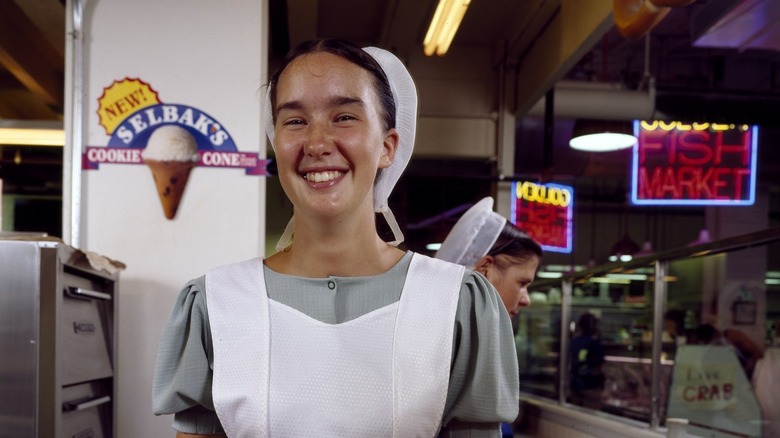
x=650, y=141
x=553, y=235
x=739, y=175
x=648, y=186
x=686, y=179
x=694, y=148
x=669, y=185
x=742, y=149
x=703, y=184
x=718, y=183
x=540, y=213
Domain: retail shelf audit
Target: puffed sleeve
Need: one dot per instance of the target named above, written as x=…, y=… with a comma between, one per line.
x=484, y=381
x=183, y=373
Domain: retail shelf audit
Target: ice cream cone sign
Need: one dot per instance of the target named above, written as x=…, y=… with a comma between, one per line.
x=171, y=153
x=170, y=139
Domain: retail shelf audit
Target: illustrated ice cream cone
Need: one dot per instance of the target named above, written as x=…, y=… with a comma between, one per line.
x=171, y=154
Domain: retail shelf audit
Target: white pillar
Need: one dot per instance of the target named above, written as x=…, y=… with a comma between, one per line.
x=205, y=55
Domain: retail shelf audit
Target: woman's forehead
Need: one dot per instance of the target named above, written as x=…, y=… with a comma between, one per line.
x=324, y=77
x=321, y=66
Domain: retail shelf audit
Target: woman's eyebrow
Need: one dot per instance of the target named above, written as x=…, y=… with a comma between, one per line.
x=291, y=105
x=335, y=102
x=345, y=100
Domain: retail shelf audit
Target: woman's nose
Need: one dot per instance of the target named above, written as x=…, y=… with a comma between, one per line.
x=525, y=299
x=318, y=141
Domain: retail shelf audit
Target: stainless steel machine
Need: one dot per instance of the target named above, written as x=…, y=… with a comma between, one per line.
x=57, y=342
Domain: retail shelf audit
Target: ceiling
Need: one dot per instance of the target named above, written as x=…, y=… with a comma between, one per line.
x=709, y=60
x=712, y=58
x=32, y=59
x=725, y=50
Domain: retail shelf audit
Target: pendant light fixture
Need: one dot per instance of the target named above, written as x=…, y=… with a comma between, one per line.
x=602, y=135
x=624, y=249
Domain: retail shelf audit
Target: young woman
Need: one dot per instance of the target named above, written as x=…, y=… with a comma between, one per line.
x=489, y=244
x=339, y=333
x=486, y=242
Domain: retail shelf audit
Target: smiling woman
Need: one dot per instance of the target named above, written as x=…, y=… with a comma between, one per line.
x=334, y=334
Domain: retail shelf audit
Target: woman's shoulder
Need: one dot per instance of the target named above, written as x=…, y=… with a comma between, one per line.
x=191, y=292
x=477, y=289
x=237, y=266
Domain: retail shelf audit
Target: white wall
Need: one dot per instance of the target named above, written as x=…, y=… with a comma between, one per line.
x=206, y=54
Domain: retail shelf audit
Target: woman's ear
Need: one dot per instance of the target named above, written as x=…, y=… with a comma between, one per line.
x=388, y=149
x=483, y=264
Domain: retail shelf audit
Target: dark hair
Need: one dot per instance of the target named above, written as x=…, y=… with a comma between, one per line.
x=514, y=243
x=588, y=324
x=351, y=53
x=677, y=316
x=706, y=333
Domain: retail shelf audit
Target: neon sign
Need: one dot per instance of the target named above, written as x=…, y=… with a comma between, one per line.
x=545, y=212
x=676, y=163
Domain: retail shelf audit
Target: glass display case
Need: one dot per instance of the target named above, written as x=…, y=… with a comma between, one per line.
x=654, y=338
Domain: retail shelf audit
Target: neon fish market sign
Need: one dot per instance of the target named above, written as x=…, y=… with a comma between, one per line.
x=677, y=163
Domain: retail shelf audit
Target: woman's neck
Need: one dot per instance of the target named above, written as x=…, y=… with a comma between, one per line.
x=338, y=248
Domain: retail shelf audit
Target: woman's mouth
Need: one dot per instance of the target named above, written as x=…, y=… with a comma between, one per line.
x=322, y=176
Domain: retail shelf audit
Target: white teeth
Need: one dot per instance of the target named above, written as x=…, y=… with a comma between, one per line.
x=323, y=176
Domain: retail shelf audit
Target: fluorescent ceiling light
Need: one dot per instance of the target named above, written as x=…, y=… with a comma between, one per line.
x=564, y=268
x=639, y=277
x=445, y=22
x=31, y=133
x=610, y=280
x=545, y=274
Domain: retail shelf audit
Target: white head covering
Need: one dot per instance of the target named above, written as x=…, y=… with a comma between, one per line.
x=405, y=96
x=473, y=235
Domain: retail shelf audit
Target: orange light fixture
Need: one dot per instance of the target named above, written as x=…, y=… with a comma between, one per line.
x=634, y=18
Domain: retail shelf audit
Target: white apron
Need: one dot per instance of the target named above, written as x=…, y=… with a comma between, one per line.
x=385, y=373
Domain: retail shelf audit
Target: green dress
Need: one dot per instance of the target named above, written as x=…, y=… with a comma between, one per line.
x=483, y=387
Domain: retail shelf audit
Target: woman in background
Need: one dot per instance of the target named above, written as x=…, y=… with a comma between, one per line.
x=486, y=242
x=339, y=333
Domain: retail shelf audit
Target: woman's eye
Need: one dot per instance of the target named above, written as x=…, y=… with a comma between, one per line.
x=293, y=122
x=345, y=117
